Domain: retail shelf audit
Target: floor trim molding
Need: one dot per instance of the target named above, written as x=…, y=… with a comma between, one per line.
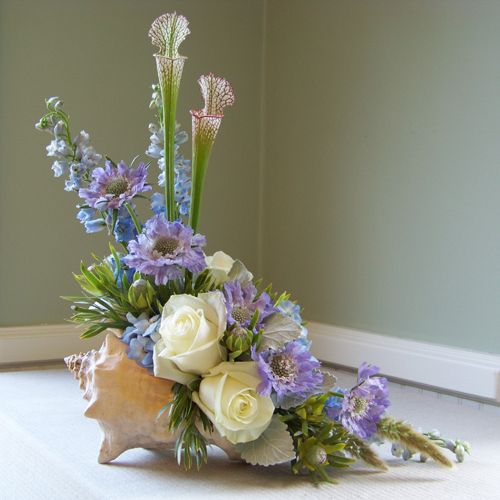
x=449, y=368
x=453, y=369
x=27, y=344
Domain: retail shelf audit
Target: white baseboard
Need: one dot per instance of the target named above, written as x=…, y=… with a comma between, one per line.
x=449, y=368
x=458, y=370
x=24, y=344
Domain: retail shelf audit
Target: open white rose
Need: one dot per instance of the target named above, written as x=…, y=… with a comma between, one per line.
x=191, y=328
x=224, y=268
x=228, y=396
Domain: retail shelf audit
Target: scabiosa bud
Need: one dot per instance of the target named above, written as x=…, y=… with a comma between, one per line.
x=238, y=340
x=317, y=455
x=141, y=293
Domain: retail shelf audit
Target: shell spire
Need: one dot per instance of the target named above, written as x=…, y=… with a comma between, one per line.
x=76, y=365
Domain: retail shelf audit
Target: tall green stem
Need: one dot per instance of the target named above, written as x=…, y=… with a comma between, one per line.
x=200, y=159
x=169, y=99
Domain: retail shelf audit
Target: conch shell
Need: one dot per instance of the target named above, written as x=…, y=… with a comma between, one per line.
x=126, y=400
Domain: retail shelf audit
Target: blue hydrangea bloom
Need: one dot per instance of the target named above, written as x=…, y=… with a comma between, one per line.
x=141, y=336
x=292, y=311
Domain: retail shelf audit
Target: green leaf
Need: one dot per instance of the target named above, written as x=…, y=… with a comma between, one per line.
x=278, y=330
x=274, y=446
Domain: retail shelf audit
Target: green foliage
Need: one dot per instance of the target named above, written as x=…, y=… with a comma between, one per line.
x=204, y=283
x=185, y=416
x=105, y=303
x=319, y=442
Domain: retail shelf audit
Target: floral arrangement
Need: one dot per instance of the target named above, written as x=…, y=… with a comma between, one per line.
x=238, y=352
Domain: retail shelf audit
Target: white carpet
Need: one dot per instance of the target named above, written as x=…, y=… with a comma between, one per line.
x=48, y=450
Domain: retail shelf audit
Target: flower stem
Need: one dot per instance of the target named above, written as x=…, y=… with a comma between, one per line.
x=169, y=109
x=137, y=224
x=200, y=157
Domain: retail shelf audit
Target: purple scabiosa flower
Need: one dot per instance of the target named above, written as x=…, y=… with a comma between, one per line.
x=164, y=249
x=241, y=304
x=364, y=405
x=289, y=371
x=113, y=186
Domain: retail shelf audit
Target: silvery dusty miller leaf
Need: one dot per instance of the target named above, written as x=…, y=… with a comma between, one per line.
x=329, y=381
x=240, y=272
x=273, y=446
x=279, y=330
x=287, y=402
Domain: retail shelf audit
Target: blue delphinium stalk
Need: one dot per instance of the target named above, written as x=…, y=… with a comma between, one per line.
x=125, y=229
x=76, y=157
x=165, y=249
x=363, y=406
x=289, y=371
x=114, y=186
x=91, y=219
x=242, y=302
x=85, y=160
x=96, y=220
x=182, y=167
x=141, y=337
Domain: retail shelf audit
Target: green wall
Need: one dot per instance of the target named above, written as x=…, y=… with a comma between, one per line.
x=97, y=55
x=382, y=176
x=379, y=148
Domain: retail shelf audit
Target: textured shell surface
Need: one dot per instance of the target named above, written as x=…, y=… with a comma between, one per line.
x=126, y=400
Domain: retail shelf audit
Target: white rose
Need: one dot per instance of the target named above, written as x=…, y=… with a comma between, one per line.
x=228, y=396
x=191, y=328
x=221, y=265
